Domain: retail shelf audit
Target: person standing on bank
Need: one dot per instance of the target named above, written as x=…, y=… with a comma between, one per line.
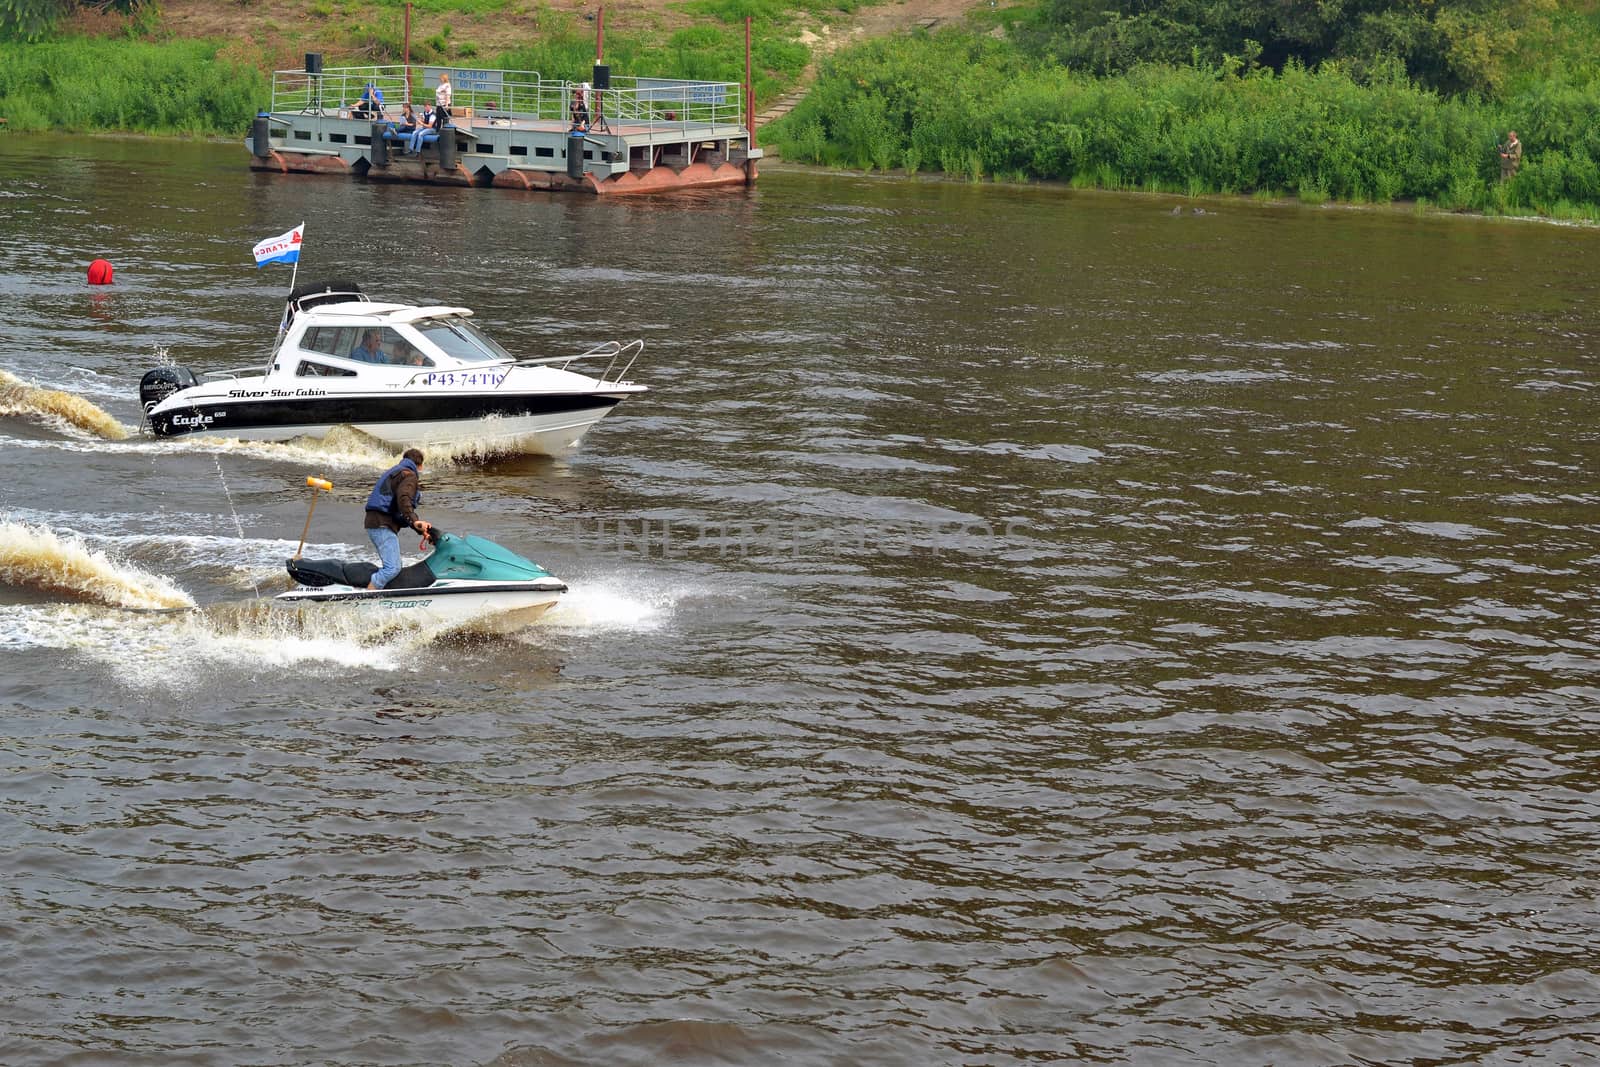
x=1510, y=156
x=393, y=503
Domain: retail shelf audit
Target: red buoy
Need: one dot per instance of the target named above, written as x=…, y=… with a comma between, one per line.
x=100, y=272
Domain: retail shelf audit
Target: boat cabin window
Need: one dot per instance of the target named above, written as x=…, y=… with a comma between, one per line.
x=365, y=344
x=461, y=339
x=312, y=369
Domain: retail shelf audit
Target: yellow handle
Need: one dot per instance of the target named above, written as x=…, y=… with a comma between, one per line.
x=315, y=484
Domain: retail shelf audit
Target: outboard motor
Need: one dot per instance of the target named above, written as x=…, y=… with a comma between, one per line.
x=158, y=384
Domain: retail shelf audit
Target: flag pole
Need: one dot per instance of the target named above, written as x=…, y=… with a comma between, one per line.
x=296, y=272
x=283, y=323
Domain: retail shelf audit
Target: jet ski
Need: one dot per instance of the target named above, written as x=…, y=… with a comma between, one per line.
x=463, y=580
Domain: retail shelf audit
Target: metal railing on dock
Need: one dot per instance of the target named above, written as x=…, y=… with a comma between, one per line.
x=506, y=96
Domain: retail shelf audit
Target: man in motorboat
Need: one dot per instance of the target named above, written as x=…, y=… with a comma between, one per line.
x=391, y=505
x=369, y=350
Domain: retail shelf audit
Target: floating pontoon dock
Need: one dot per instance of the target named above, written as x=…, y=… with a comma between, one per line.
x=510, y=129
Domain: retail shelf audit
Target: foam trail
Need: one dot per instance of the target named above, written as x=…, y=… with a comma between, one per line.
x=190, y=651
x=465, y=449
x=469, y=448
x=18, y=397
x=348, y=447
x=342, y=447
x=598, y=607
x=35, y=557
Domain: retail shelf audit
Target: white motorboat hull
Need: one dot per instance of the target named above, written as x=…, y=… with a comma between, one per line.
x=539, y=435
x=485, y=607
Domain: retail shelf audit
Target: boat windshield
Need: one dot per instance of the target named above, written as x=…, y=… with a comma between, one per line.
x=461, y=339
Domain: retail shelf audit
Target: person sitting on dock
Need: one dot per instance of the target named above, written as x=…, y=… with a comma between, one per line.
x=370, y=105
x=424, y=133
x=369, y=350
x=408, y=120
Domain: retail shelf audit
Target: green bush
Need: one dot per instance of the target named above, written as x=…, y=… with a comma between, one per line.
x=95, y=84
x=972, y=106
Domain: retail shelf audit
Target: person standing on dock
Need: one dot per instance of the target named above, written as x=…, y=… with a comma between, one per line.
x=441, y=101
x=580, y=107
x=393, y=502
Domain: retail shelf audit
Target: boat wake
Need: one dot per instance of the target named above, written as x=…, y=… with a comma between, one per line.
x=349, y=446
x=37, y=559
x=145, y=632
x=343, y=447
x=353, y=447
x=25, y=400
x=190, y=651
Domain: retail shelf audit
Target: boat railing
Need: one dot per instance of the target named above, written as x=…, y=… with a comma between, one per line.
x=613, y=352
x=236, y=372
x=488, y=97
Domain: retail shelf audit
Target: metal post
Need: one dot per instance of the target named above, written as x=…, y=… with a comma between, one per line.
x=749, y=109
x=406, y=58
x=600, y=35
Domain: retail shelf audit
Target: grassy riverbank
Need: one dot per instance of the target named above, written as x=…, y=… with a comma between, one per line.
x=977, y=101
x=137, y=78
x=86, y=84
x=974, y=106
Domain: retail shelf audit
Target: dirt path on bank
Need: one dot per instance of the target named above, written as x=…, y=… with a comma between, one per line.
x=280, y=32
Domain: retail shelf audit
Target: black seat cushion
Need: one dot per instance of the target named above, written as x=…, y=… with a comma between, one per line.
x=316, y=573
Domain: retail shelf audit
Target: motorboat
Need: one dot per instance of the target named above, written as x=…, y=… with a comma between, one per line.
x=408, y=375
x=464, y=581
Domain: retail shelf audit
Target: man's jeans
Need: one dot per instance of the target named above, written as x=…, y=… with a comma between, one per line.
x=387, y=542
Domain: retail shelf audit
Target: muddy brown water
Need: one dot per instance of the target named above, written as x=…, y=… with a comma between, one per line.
x=1019, y=626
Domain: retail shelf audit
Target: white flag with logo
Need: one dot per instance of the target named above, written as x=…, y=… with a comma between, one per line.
x=284, y=248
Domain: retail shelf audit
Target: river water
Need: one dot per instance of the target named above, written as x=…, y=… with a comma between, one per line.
x=1018, y=626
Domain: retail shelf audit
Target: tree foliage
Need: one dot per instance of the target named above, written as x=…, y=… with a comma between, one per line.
x=1449, y=45
x=29, y=20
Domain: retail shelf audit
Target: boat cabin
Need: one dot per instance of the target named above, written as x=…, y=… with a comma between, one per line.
x=343, y=334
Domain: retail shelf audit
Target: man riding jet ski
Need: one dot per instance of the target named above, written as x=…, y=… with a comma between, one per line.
x=463, y=579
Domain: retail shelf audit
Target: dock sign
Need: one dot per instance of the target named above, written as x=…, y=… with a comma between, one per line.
x=679, y=91
x=467, y=81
